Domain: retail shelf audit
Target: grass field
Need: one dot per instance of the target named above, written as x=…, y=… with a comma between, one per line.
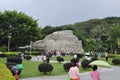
x=31, y=67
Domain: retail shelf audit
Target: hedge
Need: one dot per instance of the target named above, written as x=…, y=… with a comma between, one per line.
x=67, y=66
x=10, y=53
x=5, y=73
x=45, y=67
x=116, y=60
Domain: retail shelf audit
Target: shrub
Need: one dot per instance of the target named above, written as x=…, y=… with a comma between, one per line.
x=94, y=58
x=27, y=57
x=2, y=55
x=60, y=59
x=10, y=53
x=5, y=73
x=85, y=64
x=63, y=54
x=79, y=55
x=14, y=59
x=10, y=64
x=73, y=60
x=50, y=55
x=116, y=60
x=45, y=67
x=67, y=66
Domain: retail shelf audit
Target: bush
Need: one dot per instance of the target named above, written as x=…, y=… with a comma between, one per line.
x=67, y=66
x=94, y=58
x=85, y=64
x=10, y=64
x=5, y=73
x=79, y=55
x=27, y=57
x=60, y=59
x=63, y=54
x=2, y=55
x=10, y=53
x=45, y=67
x=14, y=59
x=73, y=60
x=116, y=60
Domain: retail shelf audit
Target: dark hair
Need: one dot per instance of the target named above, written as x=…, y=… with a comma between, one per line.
x=94, y=67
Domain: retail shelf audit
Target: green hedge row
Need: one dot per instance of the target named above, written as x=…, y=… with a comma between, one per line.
x=5, y=73
x=7, y=54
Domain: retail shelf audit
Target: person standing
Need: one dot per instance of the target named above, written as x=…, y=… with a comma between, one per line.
x=74, y=72
x=44, y=58
x=95, y=74
x=99, y=54
x=106, y=56
x=47, y=58
x=38, y=57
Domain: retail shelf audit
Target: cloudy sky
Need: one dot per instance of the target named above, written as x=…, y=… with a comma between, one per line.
x=61, y=12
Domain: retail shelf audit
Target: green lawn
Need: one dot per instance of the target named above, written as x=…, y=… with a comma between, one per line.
x=31, y=67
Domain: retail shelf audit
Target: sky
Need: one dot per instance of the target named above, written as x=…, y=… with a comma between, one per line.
x=63, y=12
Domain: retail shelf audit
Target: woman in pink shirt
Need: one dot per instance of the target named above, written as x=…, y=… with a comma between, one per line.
x=95, y=74
x=74, y=73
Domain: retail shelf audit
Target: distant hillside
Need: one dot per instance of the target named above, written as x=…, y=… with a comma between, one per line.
x=96, y=34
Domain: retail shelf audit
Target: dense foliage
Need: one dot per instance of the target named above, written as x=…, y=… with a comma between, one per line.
x=85, y=64
x=60, y=59
x=19, y=27
x=5, y=73
x=67, y=66
x=27, y=57
x=96, y=34
x=14, y=59
x=116, y=60
x=45, y=68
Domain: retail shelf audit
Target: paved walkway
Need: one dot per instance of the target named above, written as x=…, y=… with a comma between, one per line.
x=51, y=61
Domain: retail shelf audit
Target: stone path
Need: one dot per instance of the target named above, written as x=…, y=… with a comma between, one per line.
x=40, y=59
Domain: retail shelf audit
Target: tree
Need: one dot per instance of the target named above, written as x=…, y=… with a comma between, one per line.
x=22, y=27
x=96, y=34
x=115, y=38
x=49, y=29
